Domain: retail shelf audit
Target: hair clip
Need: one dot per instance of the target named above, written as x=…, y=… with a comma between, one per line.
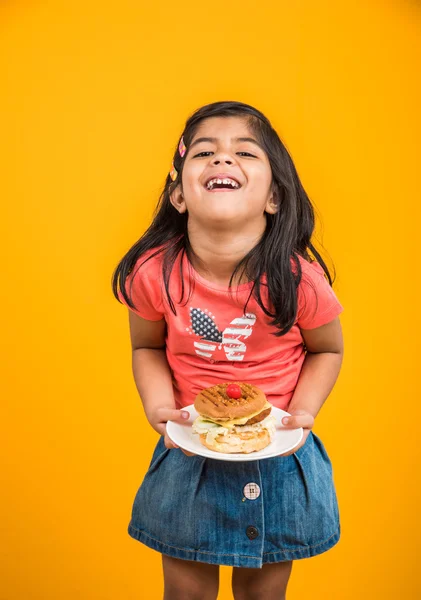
x=173, y=172
x=182, y=150
x=181, y=147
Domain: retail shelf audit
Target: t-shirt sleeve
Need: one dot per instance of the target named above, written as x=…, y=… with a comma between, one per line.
x=317, y=302
x=144, y=289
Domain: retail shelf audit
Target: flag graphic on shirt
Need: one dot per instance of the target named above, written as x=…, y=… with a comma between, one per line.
x=231, y=338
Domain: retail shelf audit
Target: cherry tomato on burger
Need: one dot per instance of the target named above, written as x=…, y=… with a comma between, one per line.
x=234, y=391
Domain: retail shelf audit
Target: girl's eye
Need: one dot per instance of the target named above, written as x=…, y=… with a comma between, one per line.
x=203, y=153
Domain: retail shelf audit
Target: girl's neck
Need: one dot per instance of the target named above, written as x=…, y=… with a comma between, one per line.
x=219, y=252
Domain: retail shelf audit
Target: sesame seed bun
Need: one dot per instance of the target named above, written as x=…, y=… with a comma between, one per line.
x=214, y=402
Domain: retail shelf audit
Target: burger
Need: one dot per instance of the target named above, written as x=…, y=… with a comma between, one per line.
x=234, y=417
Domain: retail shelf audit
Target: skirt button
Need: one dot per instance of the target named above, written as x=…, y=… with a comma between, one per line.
x=251, y=491
x=252, y=532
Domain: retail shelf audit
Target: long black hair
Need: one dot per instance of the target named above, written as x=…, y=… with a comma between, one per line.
x=287, y=235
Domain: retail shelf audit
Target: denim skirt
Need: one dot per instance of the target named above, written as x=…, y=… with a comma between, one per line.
x=240, y=514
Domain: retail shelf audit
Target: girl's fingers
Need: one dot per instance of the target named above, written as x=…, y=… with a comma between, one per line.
x=168, y=442
x=160, y=428
x=168, y=414
x=299, y=419
x=188, y=453
x=172, y=414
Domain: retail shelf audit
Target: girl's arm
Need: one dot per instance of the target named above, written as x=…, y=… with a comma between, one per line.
x=318, y=375
x=152, y=374
x=321, y=367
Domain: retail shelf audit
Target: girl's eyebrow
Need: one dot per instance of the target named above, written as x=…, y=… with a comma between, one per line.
x=213, y=140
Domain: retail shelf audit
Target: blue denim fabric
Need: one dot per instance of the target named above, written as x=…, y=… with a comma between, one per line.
x=194, y=508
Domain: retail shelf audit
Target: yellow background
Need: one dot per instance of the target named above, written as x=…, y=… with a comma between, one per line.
x=95, y=96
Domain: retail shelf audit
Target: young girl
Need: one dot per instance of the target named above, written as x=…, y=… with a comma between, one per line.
x=222, y=287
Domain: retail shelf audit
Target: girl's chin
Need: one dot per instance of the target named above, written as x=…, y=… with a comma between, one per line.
x=223, y=217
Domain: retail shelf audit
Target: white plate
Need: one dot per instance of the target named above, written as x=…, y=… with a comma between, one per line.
x=284, y=440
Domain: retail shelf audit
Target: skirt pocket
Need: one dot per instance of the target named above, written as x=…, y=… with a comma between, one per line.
x=307, y=513
x=165, y=505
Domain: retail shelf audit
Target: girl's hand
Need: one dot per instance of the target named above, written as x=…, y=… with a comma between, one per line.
x=298, y=418
x=159, y=423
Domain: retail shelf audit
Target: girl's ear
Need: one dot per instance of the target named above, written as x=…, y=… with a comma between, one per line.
x=272, y=203
x=177, y=200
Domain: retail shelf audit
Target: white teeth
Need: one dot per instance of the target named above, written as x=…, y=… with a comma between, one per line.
x=226, y=181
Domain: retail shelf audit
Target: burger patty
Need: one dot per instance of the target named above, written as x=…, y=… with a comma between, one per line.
x=258, y=417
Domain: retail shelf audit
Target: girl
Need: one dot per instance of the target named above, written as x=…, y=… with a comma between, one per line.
x=222, y=287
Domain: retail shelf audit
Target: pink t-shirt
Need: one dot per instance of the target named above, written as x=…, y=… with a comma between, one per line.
x=211, y=340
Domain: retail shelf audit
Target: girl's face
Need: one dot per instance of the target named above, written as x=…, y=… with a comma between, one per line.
x=224, y=148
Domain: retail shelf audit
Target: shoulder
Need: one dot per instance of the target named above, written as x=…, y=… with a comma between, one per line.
x=311, y=271
x=317, y=302
x=143, y=286
x=149, y=264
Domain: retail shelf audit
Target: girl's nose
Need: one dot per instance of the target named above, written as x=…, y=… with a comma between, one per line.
x=216, y=160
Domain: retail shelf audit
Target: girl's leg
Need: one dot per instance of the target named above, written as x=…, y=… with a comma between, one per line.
x=261, y=584
x=189, y=580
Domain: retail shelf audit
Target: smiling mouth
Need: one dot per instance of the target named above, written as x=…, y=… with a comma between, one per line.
x=222, y=185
